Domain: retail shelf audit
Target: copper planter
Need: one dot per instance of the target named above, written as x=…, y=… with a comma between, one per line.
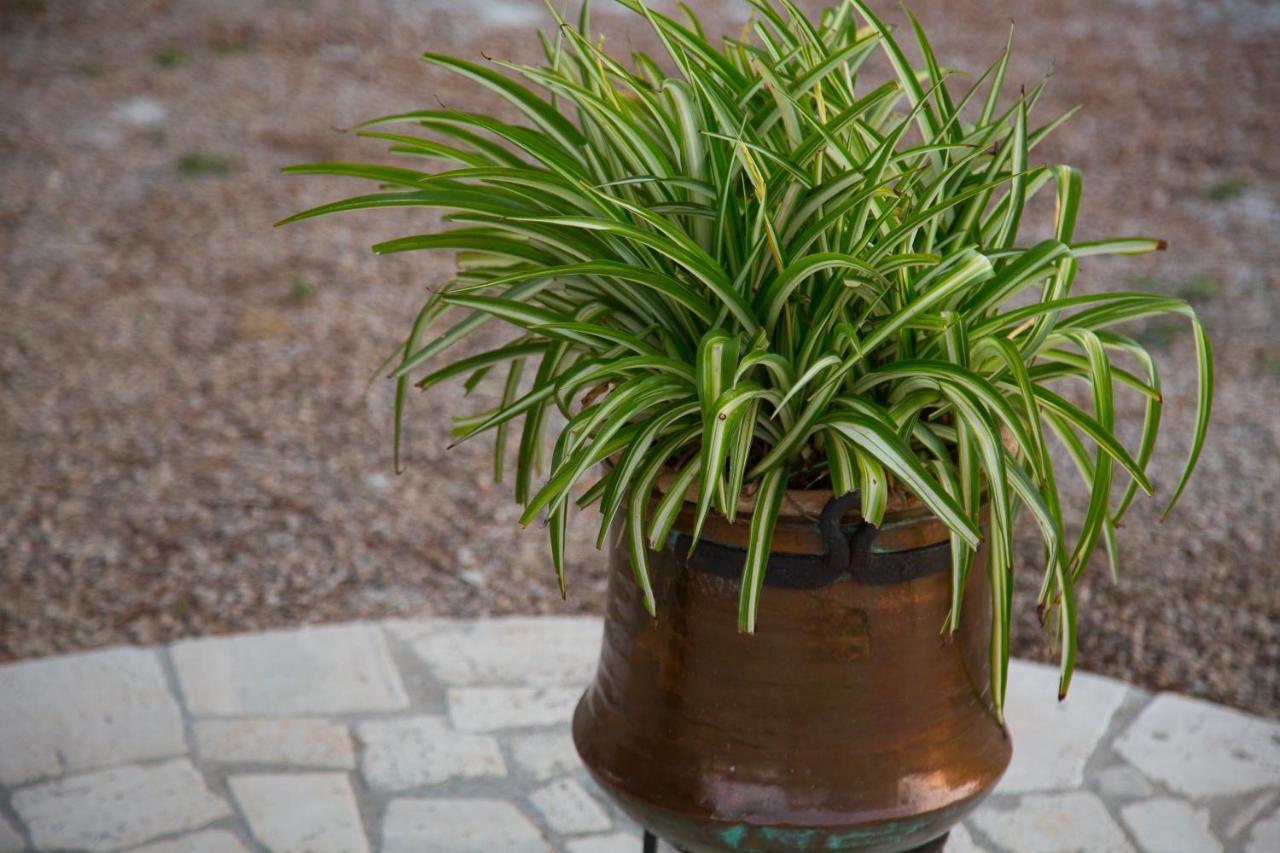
x=847, y=722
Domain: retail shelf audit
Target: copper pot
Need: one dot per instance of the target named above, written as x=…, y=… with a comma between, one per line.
x=847, y=722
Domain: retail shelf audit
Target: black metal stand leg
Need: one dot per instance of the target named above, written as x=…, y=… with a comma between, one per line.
x=937, y=845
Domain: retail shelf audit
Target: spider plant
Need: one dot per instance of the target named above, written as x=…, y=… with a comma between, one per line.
x=788, y=260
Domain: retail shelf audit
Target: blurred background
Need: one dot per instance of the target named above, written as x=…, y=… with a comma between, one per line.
x=187, y=445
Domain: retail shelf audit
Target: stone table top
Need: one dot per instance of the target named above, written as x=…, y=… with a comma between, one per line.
x=453, y=736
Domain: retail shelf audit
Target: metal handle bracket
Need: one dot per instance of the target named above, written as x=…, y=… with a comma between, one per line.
x=842, y=552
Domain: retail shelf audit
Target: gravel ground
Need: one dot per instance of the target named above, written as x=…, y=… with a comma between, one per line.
x=186, y=443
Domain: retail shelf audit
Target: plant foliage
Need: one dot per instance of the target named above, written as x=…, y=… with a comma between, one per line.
x=761, y=265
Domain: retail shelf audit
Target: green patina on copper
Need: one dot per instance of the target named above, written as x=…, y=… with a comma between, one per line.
x=744, y=837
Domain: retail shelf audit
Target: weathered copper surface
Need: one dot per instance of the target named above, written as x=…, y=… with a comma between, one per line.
x=847, y=722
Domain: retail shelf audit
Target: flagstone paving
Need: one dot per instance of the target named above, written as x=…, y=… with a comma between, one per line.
x=447, y=736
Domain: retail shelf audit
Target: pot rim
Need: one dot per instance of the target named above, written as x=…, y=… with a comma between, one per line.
x=907, y=523
x=802, y=504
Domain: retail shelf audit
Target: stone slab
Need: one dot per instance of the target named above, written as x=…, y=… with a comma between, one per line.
x=301, y=812
x=617, y=842
x=1121, y=782
x=1202, y=750
x=960, y=841
x=1244, y=816
x=541, y=651
x=1054, y=823
x=333, y=669
x=486, y=709
x=1053, y=740
x=458, y=826
x=209, y=841
x=1166, y=825
x=10, y=839
x=545, y=755
x=414, y=751
x=569, y=809
x=1265, y=837
x=121, y=807
x=86, y=711
x=294, y=742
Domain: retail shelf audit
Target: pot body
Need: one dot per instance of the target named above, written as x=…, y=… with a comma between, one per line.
x=847, y=722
